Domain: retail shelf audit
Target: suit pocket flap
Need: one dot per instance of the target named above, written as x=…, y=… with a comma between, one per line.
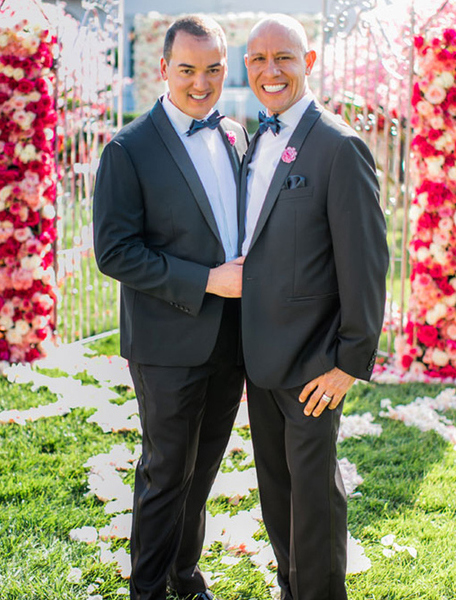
x=296, y=193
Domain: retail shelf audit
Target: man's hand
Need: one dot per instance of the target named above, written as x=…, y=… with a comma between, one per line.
x=332, y=385
x=226, y=280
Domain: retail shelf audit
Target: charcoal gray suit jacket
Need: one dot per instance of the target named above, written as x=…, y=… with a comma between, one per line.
x=314, y=276
x=155, y=232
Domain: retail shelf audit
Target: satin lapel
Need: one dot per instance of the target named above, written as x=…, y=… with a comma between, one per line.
x=184, y=164
x=232, y=153
x=296, y=141
x=243, y=188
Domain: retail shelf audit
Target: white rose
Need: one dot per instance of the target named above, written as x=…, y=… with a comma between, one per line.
x=452, y=173
x=450, y=300
x=438, y=253
x=18, y=74
x=422, y=199
x=3, y=40
x=6, y=322
x=434, y=165
x=445, y=79
x=422, y=254
x=433, y=315
x=439, y=357
x=436, y=122
x=34, y=96
x=38, y=273
x=30, y=262
x=48, y=212
x=415, y=212
x=22, y=326
x=445, y=141
x=8, y=71
x=5, y=192
x=13, y=336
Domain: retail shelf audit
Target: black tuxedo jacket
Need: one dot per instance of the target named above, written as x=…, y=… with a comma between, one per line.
x=155, y=232
x=314, y=276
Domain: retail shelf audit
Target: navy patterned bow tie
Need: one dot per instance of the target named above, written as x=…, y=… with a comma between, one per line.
x=212, y=122
x=271, y=123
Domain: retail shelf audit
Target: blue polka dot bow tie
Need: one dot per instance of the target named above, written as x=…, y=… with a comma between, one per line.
x=212, y=122
x=271, y=123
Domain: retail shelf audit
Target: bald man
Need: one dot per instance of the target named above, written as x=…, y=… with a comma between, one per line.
x=314, y=240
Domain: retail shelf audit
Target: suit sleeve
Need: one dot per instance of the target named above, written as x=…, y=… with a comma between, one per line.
x=358, y=234
x=120, y=249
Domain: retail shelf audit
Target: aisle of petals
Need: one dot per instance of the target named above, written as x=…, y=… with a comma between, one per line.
x=236, y=481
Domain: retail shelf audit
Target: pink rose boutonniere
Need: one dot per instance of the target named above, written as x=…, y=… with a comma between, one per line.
x=231, y=137
x=289, y=154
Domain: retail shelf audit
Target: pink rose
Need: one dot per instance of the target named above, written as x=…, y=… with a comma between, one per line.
x=231, y=137
x=435, y=94
x=289, y=154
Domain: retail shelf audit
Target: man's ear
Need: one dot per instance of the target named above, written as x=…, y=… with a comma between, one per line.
x=310, y=58
x=164, y=69
x=246, y=58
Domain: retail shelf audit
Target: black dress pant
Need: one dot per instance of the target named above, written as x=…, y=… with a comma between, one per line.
x=187, y=414
x=302, y=495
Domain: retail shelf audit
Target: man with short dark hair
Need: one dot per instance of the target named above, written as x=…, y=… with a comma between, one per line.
x=165, y=225
x=313, y=237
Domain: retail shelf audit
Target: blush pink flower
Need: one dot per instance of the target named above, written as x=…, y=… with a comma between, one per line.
x=231, y=137
x=435, y=94
x=289, y=154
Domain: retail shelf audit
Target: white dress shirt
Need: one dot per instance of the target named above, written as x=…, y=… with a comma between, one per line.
x=212, y=163
x=265, y=158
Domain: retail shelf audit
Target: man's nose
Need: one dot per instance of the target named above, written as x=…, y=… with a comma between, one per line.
x=271, y=68
x=200, y=82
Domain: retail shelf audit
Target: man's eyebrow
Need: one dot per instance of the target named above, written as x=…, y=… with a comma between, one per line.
x=186, y=66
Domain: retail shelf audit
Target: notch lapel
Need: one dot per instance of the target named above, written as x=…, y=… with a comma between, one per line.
x=296, y=141
x=184, y=164
x=232, y=153
x=243, y=189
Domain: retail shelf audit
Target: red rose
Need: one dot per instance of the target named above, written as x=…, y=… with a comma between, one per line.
x=406, y=361
x=427, y=335
x=32, y=354
x=25, y=86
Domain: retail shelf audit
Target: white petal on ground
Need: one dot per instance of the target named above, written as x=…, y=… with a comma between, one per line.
x=119, y=527
x=357, y=561
x=122, y=558
x=234, y=483
x=424, y=413
x=350, y=475
x=388, y=540
x=89, y=535
x=242, y=417
x=357, y=426
x=75, y=575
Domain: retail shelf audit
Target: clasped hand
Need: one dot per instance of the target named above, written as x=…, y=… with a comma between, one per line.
x=226, y=280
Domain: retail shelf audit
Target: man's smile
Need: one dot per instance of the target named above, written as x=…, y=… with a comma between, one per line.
x=273, y=89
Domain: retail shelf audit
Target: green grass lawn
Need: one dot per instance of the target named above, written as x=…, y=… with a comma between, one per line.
x=409, y=490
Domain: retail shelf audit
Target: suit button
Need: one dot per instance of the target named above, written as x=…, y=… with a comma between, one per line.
x=217, y=264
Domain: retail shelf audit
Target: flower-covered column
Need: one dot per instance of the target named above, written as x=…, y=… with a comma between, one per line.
x=429, y=344
x=27, y=189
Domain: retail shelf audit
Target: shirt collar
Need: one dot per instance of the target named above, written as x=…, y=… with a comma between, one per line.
x=292, y=116
x=179, y=120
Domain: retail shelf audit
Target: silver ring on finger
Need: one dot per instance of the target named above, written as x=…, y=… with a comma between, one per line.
x=326, y=398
